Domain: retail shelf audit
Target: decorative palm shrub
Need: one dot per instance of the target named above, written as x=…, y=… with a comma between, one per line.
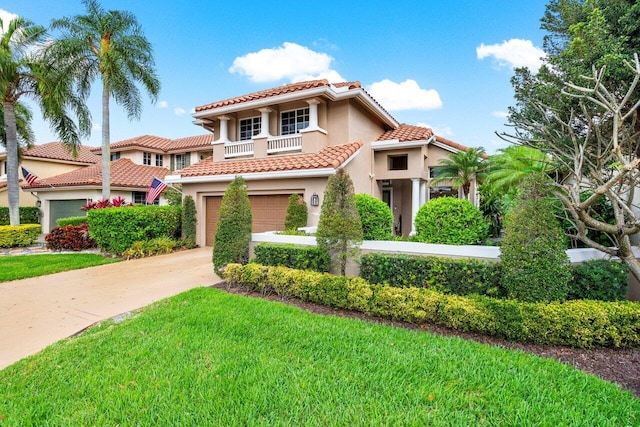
x=339, y=230
x=376, y=217
x=297, y=213
x=450, y=221
x=534, y=262
x=231, y=243
x=189, y=222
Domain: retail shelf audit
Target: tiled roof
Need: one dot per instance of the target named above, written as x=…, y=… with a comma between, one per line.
x=124, y=173
x=280, y=90
x=329, y=157
x=406, y=133
x=58, y=151
x=165, y=145
x=192, y=142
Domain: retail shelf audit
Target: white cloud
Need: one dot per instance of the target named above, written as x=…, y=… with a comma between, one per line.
x=404, y=96
x=179, y=111
x=163, y=104
x=6, y=18
x=289, y=61
x=500, y=114
x=444, y=131
x=514, y=53
x=95, y=127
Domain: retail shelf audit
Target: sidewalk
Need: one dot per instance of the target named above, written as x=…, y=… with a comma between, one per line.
x=39, y=311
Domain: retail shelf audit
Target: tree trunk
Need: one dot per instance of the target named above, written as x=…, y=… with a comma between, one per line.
x=13, y=187
x=106, y=144
x=625, y=253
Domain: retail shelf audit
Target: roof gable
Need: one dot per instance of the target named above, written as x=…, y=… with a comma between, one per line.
x=408, y=133
x=165, y=145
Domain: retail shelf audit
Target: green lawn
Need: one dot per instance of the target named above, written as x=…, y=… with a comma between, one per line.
x=24, y=266
x=206, y=357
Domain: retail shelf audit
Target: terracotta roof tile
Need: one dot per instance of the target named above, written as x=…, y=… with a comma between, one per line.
x=280, y=90
x=164, y=145
x=124, y=173
x=58, y=151
x=450, y=143
x=192, y=142
x=406, y=133
x=329, y=157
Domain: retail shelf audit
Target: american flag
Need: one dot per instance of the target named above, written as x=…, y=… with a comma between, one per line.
x=156, y=188
x=31, y=178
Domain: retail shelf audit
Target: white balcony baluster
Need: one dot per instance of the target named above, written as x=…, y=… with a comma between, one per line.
x=281, y=144
x=237, y=149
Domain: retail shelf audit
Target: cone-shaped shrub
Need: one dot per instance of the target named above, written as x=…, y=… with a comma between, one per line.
x=189, y=222
x=297, y=213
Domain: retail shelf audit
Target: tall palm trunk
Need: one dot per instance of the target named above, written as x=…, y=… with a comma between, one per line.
x=13, y=188
x=106, y=141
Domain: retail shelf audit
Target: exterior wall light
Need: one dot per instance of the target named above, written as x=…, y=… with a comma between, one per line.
x=315, y=200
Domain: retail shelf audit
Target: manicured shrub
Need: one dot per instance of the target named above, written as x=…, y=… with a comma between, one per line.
x=72, y=220
x=70, y=238
x=297, y=213
x=450, y=221
x=376, y=217
x=19, y=235
x=599, y=279
x=456, y=276
x=292, y=256
x=115, y=229
x=28, y=215
x=582, y=324
x=340, y=229
x=231, y=243
x=534, y=262
x=189, y=222
x=157, y=246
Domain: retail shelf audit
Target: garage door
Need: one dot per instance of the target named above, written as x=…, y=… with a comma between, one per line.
x=268, y=214
x=64, y=209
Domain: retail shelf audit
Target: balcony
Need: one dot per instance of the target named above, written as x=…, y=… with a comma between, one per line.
x=238, y=149
x=286, y=143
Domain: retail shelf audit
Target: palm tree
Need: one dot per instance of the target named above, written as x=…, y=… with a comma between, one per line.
x=27, y=70
x=462, y=168
x=109, y=45
x=26, y=137
x=508, y=168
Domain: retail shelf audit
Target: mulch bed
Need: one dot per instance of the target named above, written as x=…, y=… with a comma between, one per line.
x=621, y=366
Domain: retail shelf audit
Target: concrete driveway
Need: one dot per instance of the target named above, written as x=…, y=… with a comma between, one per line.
x=37, y=312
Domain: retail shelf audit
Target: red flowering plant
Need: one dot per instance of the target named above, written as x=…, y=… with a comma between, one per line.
x=116, y=202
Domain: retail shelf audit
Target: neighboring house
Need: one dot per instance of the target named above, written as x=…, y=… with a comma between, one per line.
x=44, y=161
x=290, y=139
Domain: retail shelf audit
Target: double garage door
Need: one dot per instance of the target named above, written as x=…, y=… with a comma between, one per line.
x=268, y=213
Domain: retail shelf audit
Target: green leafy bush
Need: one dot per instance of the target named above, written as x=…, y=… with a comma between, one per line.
x=376, y=217
x=115, y=229
x=19, y=235
x=450, y=221
x=189, y=222
x=457, y=276
x=28, y=215
x=157, y=246
x=582, y=324
x=297, y=213
x=534, y=262
x=599, y=279
x=289, y=255
x=70, y=238
x=72, y=220
x=231, y=243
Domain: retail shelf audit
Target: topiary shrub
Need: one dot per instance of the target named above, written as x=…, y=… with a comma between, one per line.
x=189, y=222
x=376, y=217
x=599, y=279
x=231, y=243
x=70, y=238
x=292, y=256
x=535, y=266
x=339, y=230
x=297, y=213
x=450, y=221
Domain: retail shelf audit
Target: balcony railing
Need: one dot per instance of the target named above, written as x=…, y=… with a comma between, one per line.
x=281, y=144
x=237, y=149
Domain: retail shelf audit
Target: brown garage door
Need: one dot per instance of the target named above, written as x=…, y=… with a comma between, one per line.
x=268, y=214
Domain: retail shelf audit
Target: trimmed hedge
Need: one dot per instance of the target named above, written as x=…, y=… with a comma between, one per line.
x=450, y=221
x=70, y=237
x=116, y=229
x=455, y=276
x=28, y=215
x=19, y=235
x=376, y=217
x=72, y=220
x=292, y=256
x=599, y=279
x=581, y=324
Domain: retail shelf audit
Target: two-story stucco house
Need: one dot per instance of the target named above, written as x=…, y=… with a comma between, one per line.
x=291, y=138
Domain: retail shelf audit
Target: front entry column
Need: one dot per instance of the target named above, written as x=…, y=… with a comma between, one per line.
x=423, y=192
x=264, y=123
x=415, y=202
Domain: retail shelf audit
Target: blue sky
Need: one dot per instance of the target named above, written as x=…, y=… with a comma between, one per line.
x=442, y=64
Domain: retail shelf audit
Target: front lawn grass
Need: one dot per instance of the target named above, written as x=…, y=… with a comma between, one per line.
x=206, y=357
x=23, y=266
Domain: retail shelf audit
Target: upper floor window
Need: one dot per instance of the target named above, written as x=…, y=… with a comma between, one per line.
x=159, y=159
x=181, y=161
x=249, y=128
x=146, y=158
x=294, y=121
x=399, y=163
x=115, y=156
